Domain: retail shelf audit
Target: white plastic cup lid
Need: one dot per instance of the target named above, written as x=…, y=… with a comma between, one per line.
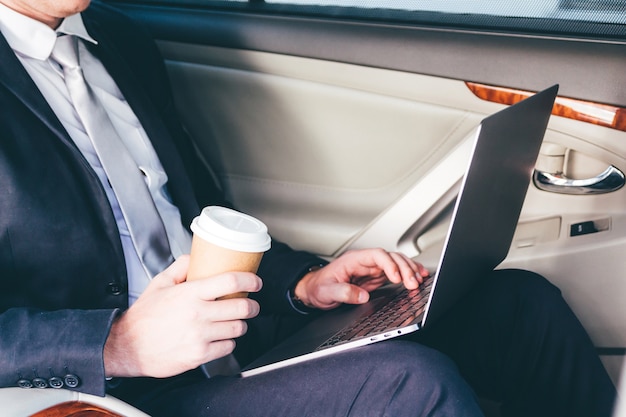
x=231, y=229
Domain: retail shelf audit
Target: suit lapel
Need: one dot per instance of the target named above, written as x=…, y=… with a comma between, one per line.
x=17, y=80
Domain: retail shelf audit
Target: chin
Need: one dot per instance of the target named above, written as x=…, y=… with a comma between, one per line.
x=75, y=6
x=82, y=5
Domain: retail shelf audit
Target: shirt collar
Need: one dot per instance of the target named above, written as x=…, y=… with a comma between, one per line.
x=35, y=39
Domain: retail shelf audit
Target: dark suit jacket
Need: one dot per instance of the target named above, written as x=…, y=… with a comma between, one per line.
x=62, y=270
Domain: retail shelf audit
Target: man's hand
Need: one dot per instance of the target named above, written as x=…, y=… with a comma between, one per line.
x=350, y=278
x=176, y=325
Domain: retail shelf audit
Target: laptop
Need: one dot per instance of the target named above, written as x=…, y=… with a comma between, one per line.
x=487, y=208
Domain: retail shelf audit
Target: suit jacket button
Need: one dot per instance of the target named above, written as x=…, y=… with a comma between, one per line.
x=71, y=380
x=115, y=288
x=56, y=382
x=24, y=383
x=40, y=383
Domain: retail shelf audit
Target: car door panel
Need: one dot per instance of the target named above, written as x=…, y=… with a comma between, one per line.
x=372, y=145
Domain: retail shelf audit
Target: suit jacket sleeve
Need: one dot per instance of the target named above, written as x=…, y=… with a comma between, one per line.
x=77, y=338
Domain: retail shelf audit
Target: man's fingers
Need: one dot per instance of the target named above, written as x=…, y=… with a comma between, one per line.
x=174, y=274
x=350, y=278
x=227, y=283
x=219, y=349
x=410, y=271
x=341, y=293
x=233, y=308
x=226, y=330
x=397, y=267
x=209, y=288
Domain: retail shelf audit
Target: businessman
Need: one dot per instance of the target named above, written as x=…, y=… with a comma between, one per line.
x=94, y=294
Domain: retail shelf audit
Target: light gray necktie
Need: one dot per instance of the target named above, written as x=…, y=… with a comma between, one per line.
x=144, y=223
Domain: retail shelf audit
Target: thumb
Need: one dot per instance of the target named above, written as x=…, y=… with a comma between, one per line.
x=350, y=294
x=174, y=274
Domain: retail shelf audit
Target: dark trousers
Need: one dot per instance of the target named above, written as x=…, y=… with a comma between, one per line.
x=395, y=380
x=516, y=342
x=513, y=340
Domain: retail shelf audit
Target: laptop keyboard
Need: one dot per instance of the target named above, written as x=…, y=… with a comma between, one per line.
x=400, y=310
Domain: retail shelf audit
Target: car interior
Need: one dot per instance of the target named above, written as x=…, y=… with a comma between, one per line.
x=344, y=125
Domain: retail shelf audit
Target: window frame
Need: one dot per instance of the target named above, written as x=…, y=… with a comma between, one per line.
x=456, y=21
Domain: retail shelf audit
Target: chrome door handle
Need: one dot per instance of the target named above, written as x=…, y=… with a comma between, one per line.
x=610, y=180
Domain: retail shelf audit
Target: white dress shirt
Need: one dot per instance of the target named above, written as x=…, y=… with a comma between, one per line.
x=32, y=42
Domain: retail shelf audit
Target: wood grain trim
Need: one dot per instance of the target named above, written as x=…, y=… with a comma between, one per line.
x=585, y=111
x=75, y=409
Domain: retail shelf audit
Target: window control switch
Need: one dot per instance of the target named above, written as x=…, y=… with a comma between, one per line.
x=582, y=228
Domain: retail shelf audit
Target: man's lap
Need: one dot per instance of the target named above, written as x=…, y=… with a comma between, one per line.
x=393, y=378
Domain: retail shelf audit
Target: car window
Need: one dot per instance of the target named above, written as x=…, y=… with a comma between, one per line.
x=585, y=10
x=589, y=18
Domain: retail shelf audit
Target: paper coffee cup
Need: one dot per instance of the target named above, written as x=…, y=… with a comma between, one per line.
x=226, y=240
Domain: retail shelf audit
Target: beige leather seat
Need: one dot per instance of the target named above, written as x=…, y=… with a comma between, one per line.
x=19, y=402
